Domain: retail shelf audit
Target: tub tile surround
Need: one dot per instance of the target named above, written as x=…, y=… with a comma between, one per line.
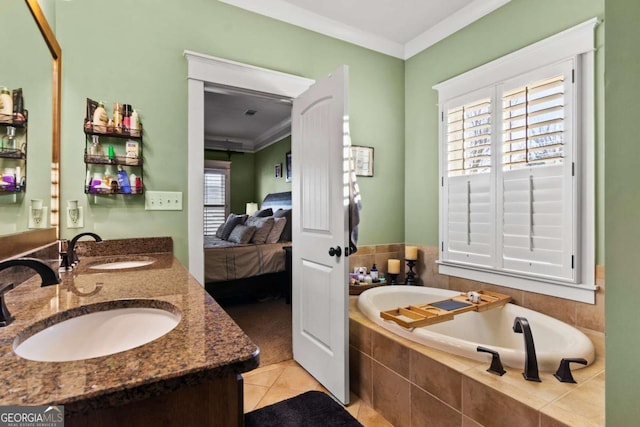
x=580, y=315
x=446, y=389
x=206, y=347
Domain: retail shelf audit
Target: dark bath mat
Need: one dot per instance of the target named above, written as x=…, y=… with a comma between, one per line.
x=450, y=305
x=310, y=409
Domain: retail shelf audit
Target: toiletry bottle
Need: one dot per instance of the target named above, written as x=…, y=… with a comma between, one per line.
x=18, y=105
x=133, y=125
x=374, y=273
x=108, y=176
x=10, y=139
x=6, y=103
x=100, y=118
x=117, y=116
x=132, y=150
x=123, y=181
x=112, y=153
x=96, y=147
x=17, y=178
x=132, y=183
x=126, y=116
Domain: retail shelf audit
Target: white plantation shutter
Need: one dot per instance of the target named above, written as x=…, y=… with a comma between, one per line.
x=517, y=168
x=537, y=189
x=216, y=199
x=468, y=203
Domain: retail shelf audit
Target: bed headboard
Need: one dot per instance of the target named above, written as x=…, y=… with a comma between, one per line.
x=277, y=201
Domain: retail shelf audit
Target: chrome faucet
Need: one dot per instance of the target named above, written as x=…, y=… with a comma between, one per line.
x=70, y=258
x=47, y=275
x=521, y=326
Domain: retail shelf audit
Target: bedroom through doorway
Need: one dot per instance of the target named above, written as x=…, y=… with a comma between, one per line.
x=247, y=137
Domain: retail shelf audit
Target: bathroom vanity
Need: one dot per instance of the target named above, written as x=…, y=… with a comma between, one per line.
x=189, y=376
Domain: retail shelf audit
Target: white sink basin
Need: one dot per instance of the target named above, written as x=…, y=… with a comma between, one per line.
x=97, y=334
x=119, y=265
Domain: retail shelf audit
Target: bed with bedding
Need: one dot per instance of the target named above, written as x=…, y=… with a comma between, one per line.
x=246, y=256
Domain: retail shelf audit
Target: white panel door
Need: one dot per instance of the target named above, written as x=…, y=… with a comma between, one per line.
x=319, y=184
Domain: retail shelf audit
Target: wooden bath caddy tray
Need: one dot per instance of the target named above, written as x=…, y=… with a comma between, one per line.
x=415, y=316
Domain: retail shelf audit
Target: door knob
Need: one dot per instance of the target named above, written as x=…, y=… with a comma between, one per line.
x=337, y=251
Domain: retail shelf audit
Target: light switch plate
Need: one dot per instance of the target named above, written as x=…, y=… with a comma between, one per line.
x=163, y=200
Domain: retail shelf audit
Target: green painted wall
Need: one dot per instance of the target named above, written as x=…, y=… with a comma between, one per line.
x=133, y=52
x=513, y=26
x=26, y=64
x=622, y=224
x=243, y=177
x=266, y=159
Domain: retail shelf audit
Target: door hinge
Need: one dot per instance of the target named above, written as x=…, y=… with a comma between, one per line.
x=442, y=116
x=572, y=262
x=442, y=246
x=573, y=169
x=442, y=181
x=573, y=75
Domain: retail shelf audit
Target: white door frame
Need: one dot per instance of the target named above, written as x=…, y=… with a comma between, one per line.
x=202, y=69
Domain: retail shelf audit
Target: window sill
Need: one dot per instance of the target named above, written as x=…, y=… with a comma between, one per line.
x=577, y=292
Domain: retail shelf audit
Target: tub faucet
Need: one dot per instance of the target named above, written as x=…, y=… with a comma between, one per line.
x=521, y=326
x=70, y=256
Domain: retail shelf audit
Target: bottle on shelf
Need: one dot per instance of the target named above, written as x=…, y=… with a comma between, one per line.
x=126, y=117
x=134, y=123
x=6, y=103
x=96, y=150
x=9, y=140
x=117, y=117
x=123, y=181
x=100, y=118
x=374, y=274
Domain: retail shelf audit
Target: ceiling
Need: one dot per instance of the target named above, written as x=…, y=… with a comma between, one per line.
x=229, y=124
x=399, y=28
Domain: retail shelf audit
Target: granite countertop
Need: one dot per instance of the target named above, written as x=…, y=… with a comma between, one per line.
x=206, y=344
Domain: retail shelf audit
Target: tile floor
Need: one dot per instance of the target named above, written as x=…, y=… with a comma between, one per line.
x=273, y=383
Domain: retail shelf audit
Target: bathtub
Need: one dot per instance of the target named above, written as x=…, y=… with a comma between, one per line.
x=554, y=340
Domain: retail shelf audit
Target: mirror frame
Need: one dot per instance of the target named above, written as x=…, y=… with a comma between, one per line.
x=56, y=78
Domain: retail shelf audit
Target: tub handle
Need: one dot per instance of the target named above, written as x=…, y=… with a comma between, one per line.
x=563, y=374
x=496, y=364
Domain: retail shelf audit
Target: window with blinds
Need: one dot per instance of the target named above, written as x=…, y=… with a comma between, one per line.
x=533, y=124
x=469, y=138
x=216, y=196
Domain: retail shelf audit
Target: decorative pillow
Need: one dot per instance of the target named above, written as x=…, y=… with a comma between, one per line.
x=286, y=233
x=263, y=227
x=262, y=213
x=242, y=234
x=225, y=229
x=276, y=231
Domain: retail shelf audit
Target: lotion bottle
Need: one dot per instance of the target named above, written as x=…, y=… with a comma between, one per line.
x=123, y=181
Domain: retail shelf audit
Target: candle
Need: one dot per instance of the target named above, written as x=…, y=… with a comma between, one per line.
x=411, y=252
x=393, y=266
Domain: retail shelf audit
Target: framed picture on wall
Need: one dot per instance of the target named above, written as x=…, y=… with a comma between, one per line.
x=278, y=170
x=363, y=160
x=287, y=162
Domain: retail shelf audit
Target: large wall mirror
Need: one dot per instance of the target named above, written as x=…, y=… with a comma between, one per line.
x=31, y=61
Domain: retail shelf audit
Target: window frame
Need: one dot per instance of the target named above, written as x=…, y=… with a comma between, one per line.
x=225, y=168
x=575, y=44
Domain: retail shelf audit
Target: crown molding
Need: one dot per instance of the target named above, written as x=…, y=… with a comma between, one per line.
x=455, y=22
x=294, y=15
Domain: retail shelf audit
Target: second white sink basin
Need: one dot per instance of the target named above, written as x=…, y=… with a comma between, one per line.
x=97, y=334
x=121, y=265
